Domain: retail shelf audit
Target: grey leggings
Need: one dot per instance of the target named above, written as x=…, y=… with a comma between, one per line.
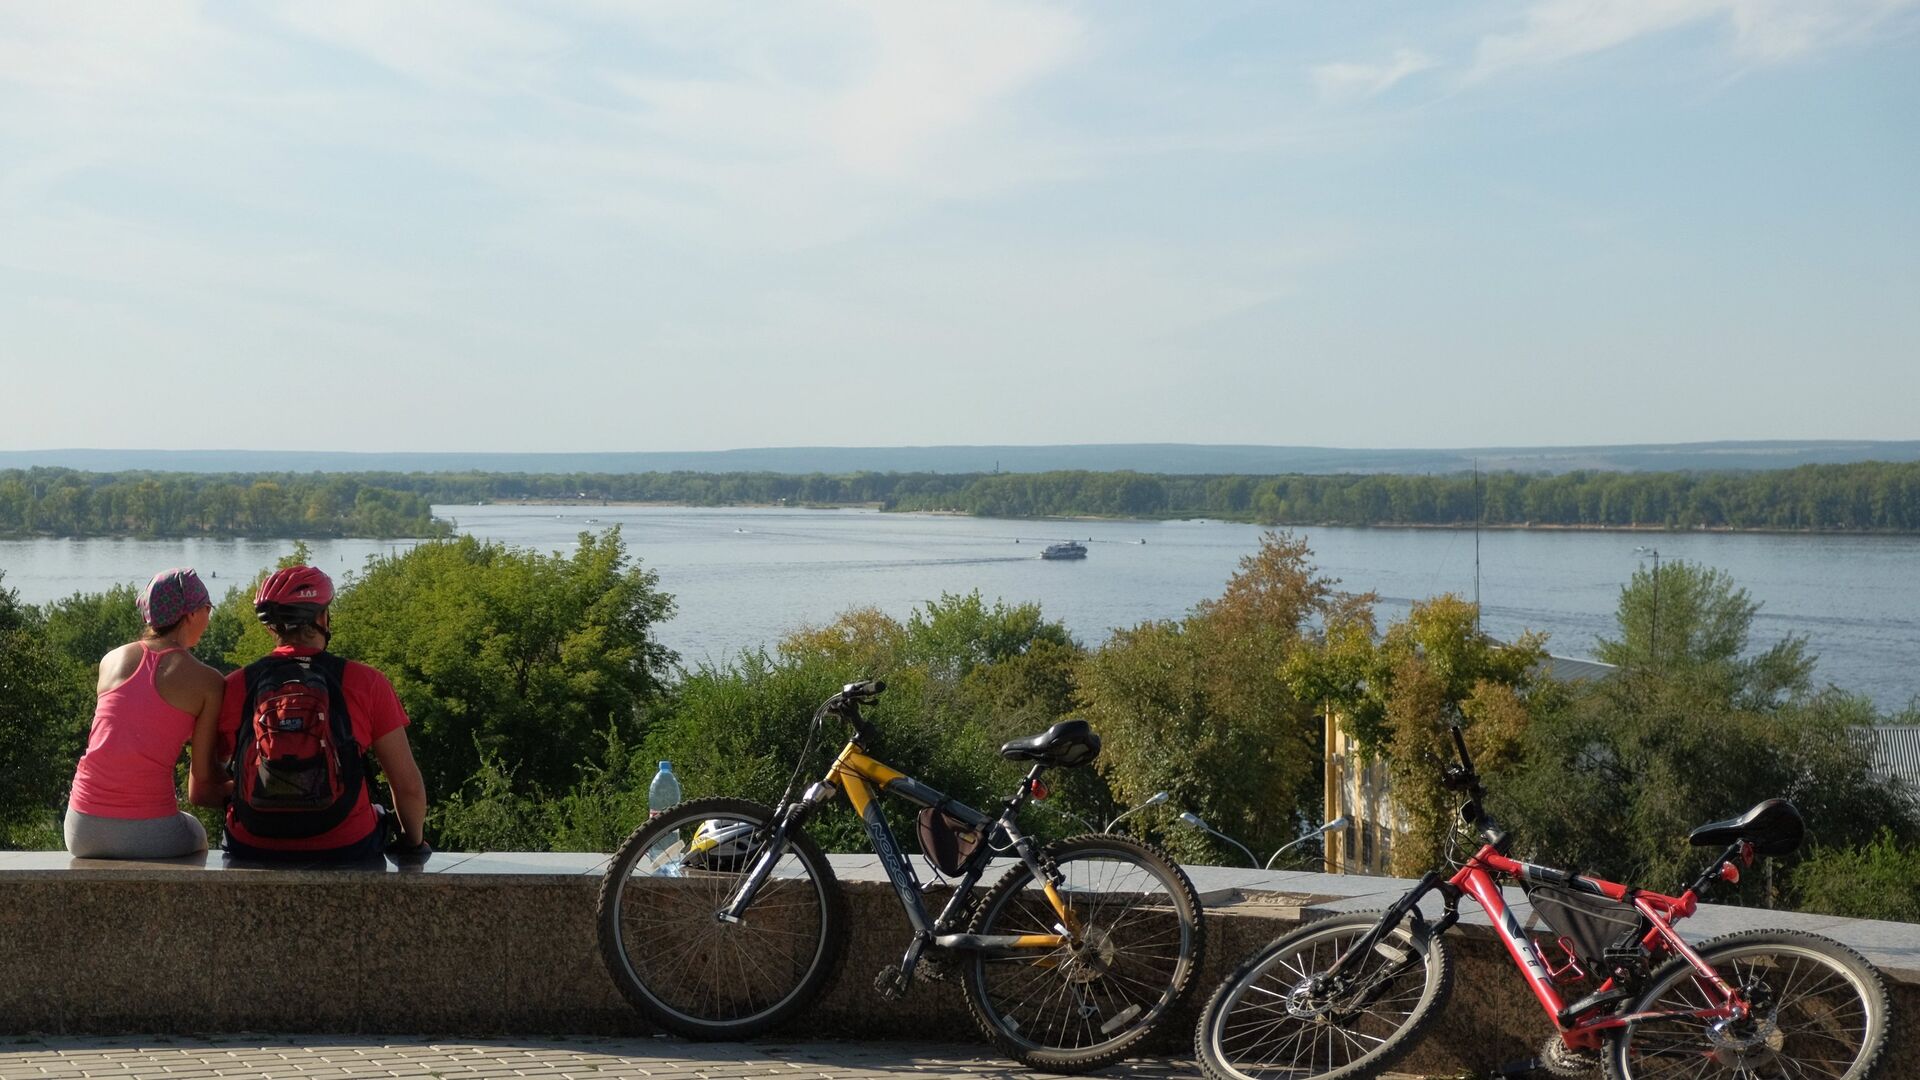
x=92, y=837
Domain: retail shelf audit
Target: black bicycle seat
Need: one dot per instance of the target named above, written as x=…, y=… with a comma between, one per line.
x=1773, y=827
x=1067, y=743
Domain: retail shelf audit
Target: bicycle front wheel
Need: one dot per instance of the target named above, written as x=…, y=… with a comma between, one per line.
x=684, y=967
x=1818, y=1012
x=1073, y=1008
x=1279, y=1017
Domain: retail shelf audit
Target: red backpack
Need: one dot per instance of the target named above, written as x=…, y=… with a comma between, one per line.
x=296, y=768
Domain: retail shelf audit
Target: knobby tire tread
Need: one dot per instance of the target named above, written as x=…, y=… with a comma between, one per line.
x=817, y=980
x=1437, y=955
x=1102, y=1054
x=1613, y=1055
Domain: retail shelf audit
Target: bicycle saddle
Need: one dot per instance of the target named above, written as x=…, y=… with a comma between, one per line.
x=1067, y=743
x=1774, y=827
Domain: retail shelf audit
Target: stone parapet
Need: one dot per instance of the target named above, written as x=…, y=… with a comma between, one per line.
x=480, y=944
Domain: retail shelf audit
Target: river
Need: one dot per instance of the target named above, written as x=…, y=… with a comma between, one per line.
x=744, y=577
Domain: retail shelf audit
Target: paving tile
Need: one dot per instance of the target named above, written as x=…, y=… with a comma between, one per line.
x=332, y=1057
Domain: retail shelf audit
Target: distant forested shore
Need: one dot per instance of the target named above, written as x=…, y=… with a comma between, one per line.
x=1862, y=497
x=64, y=502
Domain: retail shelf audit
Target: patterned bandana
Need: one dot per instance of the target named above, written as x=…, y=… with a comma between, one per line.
x=172, y=595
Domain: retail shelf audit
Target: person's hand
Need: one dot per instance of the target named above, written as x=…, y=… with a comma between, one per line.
x=405, y=852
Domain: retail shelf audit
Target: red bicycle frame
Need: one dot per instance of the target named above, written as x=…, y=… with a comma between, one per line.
x=1581, y=1027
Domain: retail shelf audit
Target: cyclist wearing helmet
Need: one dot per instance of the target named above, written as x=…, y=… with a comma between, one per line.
x=293, y=604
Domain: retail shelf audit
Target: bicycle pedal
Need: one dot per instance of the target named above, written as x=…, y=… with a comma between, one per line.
x=891, y=983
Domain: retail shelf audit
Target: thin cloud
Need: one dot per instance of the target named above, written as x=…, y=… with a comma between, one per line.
x=1762, y=30
x=1349, y=81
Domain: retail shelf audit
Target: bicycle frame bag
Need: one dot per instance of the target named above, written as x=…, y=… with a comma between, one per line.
x=947, y=841
x=1595, y=925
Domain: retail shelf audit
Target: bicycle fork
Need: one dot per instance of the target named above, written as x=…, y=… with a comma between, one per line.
x=787, y=818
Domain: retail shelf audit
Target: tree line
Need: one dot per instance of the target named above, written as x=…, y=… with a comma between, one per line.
x=1859, y=497
x=66, y=502
x=541, y=699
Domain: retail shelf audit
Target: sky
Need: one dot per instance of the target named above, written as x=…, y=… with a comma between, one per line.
x=617, y=225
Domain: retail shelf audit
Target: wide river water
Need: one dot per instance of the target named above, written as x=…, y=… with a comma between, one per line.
x=744, y=577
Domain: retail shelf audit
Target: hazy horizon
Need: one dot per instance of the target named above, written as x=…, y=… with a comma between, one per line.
x=1162, y=458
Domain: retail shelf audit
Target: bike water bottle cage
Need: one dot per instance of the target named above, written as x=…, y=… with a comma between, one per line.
x=1067, y=744
x=1773, y=827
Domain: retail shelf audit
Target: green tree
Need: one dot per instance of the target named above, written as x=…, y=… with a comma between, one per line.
x=39, y=704
x=86, y=626
x=1399, y=695
x=1197, y=707
x=1690, y=623
x=1615, y=781
x=502, y=652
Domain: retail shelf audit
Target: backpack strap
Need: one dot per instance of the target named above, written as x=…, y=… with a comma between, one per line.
x=252, y=677
x=334, y=668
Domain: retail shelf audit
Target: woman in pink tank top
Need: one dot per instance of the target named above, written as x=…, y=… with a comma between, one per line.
x=153, y=697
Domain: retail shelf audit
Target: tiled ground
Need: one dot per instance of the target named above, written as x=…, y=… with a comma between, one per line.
x=338, y=1058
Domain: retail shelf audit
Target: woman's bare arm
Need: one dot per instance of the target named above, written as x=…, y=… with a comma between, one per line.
x=207, y=782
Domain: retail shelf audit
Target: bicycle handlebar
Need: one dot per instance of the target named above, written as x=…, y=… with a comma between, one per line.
x=846, y=705
x=865, y=690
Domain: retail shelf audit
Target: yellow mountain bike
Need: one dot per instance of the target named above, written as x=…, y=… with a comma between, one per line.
x=721, y=918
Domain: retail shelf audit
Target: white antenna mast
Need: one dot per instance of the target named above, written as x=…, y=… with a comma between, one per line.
x=1476, y=545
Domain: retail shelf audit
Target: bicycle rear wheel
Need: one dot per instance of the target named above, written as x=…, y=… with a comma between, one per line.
x=684, y=968
x=1278, y=1018
x=1070, y=1009
x=1819, y=1013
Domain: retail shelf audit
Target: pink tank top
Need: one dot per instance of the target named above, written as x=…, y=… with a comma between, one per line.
x=127, y=771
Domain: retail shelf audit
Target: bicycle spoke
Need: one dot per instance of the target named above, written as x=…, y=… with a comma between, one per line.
x=687, y=961
x=1810, y=1020
x=1269, y=1029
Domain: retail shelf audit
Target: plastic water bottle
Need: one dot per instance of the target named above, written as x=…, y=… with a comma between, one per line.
x=662, y=795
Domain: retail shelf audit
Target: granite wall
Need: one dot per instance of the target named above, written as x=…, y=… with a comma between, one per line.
x=494, y=944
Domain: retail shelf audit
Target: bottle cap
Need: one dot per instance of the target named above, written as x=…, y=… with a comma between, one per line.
x=666, y=766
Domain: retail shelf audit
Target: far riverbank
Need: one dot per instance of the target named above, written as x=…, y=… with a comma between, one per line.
x=1525, y=526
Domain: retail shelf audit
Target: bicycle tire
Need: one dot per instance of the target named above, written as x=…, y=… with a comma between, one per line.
x=709, y=979
x=1783, y=961
x=1142, y=942
x=1244, y=1032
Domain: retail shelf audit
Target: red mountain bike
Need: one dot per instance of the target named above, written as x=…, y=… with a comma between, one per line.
x=1344, y=998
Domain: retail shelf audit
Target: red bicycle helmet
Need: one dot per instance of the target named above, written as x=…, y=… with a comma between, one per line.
x=293, y=597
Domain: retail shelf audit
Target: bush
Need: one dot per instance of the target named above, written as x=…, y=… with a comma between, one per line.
x=502, y=652
x=1880, y=880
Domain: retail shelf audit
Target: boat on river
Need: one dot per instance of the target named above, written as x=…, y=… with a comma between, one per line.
x=1069, y=550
